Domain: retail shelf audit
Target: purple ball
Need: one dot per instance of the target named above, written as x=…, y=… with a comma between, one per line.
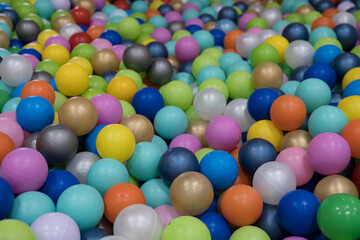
x=187, y=49
x=189, y=6
x=173, y=16
x=344, y=6
x=244, y=20
x=188, y=141
x=161, y=35
x=109, y=109
x=32, y=59
x=58, y=39
x=119, y=51
x=97, y=22
x=101, y=43
x=61, y=4
x=194, y=21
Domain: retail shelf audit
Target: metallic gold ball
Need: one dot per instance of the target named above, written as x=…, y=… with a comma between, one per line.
x=61, y=21
x=104, y=60
x=140, y=126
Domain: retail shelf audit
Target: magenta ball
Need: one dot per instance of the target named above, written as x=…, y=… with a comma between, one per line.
x=32, y=59
x=25, y=169
x=296, y=159
x=173, y=16
x=255, y=30
x=244, y=19
x=101, y=43
x=187, y=49
x=13, y=130
x=109, y=109
x=194, y=21
x=97, y=22
x=189, y=6
x=166, y=213
x=58, y=39
x=119, y=51
x=223, y=133
x=99, y=4
x=161, y=35
x=188, y=141
x=328, y=153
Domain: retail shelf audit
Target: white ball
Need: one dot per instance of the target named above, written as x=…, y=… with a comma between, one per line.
x=15, y=70
x=299, y=53
x=344, y=17
x=69, y=29
x=238, y=110
x=246, y=42
x=209, y=103
x=271, y=16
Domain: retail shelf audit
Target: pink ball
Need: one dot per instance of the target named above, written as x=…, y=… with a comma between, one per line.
x=328, y=153
x=188, y=141
x=97, y=22
x=296, y=159
x=161, y=35
x=99, y=4
x=101, y=43
x=32, y=59
x=223, y=133
x=194, y=21
x=58, y=39
x=25, y=169
x=187, y=49
x=9, y=114
x=13, y=130
x=109, y=109
x=173, y=16
x=167, y=213
x=189, y=6
x=285, y=78
x=119, y=51
x=244, y=19
x=255, y=30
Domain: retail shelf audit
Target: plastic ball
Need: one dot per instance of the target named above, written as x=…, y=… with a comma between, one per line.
x=160, y=71
x=80, y=164
x=280, y=43
x=7, y=200
x=72, y=79
x=175, y=119
x=15, y=70
x=351, y=89
x=349, y=106
x=27, y=30
x=209, y=103
x=81, y=16
x=246, y=42
x=188, y=141
x=186, y=228
x=349, y=133
x=347, y=35
x=177, y=93
x=237, y=109
x=104, y=60
x=217, y=225
x=148, y=101
x=15, y=229
x=7, y=145
x=38, y=88
x=259, y=103
x=326, y=54
x=79, y=38
x=264, y=53
x=156, y=193
x=269, y=222
x=323, y=72
x=267, y=75
x=299, y=53
x=183, y=47
x=95, y=233
x=108, y=108
x=266, y=129
x=344, y=62
x=295, y=31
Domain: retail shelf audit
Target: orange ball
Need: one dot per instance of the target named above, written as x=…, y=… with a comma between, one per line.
x=95, y=31
x=123, y=88
x=119, y=197
x=351, y=133
x=241, y=205
x=288, y=112
x=152, y=12
x=243, y=178
x=39, y=88
x=323, y=22
x=330, y=12
x=6, y=146
x=229, y=50
x=231, y=37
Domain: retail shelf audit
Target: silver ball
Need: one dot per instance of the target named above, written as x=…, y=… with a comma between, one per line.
x=41, y=75
x=160, y=71
x=80, y=164
x=137, y=57
x=30, y=141
x=27, y=30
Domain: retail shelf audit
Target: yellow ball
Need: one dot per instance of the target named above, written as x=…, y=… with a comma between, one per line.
x=123, y=88
x=57, y=53
x=350, y=76
x=280, y=43
x=351, y=107
x=71, y=79
x=44, y=35
x=156, y=4
x=35, y=46
x=84, y=63
x=266, y=129
x=56, y=118
x=147, y=41
x=115, y=141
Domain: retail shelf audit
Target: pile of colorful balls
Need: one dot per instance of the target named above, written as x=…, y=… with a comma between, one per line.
x=179, y=119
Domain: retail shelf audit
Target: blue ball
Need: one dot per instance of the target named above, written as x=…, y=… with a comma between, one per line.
x=347, y=35
x=343, y=63
x=31, y=51
x=298, y=73
x=94, y=234
x=219, y=228
x=352, y=89
x=17, y=91
x=90, y=140
x=206, y=17
x=218, y=36
x=228, y=13
x=113, y=36
x=220, y=168
x=176, y=161
x=297, y=212
x=323, y=5
x=157, y=49
x=323, y=72
x=127, y=42
x=83, y=27
x=254, y=153
x=56, y=182
x=156, y=193
x=147, y=102
x=193, y=28
x=336, y=97
x=326, y=54
x=170, y=122
x=260, y=102
x=11, y=13
x=34, y=113
x=108, y=76
x=7, y=198
x=269, y=222
x=241, y=5
x=295, y=31
x=186, y=67
x=225, y=25
x=165, y=8
x=16, y=43
x=53, y=84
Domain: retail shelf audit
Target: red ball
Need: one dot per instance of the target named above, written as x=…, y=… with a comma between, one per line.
x=78, y=38
x=81, y=16
x=122, y=5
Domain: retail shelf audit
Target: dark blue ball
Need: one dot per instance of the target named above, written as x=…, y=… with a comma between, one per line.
x=295, y=31
x=164, y=9
x=228, y=13
x=193, y=28
x=57, y=182
x=323, y=5
x=6, y=199
x=310, y=185
x=326, y=54
x=313, y=2
x=31, y=51
x=83, y=27
x=140, y=21
x=94, y=234
x=205, y=18
x=304, y=126
x=298, y=73
x=336, y=97
x=147, y=102
x=352, y=10
x=297, y=212
x=186, y=67
x=278, y=90
x=90, y=140
x=218, y=36
x=343, y=63
x=260, y=102
x=16, y=43
x=323, y=72
x=108, y=76
x=176, y=161
x=254, y=153
x=127, y=42
x=12, y=14
x=113, y=37
x=157, y=49
x=347, y=36
x=219, y=228
x=242, y=6
x=269, y=222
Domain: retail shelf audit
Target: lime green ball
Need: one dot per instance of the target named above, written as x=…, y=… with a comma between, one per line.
x=143, y=37
x=122, y=65
x=133, y=75
x=4, y=97
x=14, y=35
x=202, y=152
x=257, y=22
x=90, y=93
x=240, y=84
x=356, y=51
x=180, y=34
x=272, y=5
x=286, y=69
x=129, y=28
x=139, y=15
x=59, y=100
x=97, y=82
x=177, y=93
x=133, y=181
x=6, y=1
x=249, y=232
x=214, y=52
x=58, y=13
x=111, y=26
x=84, y=50
x=186, y=228
x=238, y=10
x=310, y=17
x=202, y=61
x=357, y=16
x=15, y=229
x=147, y=28
x=17, y=3
x=327, y=41
x=49, y=66
x=295, y=17
x=264, y=53
x=127, y=108
x=217, y=84
x=25, y=10
x=191, y=114
x=14, y=50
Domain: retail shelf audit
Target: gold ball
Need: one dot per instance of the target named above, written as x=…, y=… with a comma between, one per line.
x=210, y=26
x=7, y=20
x=255, y=2
x=197, y=127
x=304, y=9
x=297, y=138
x=177, y=5
x=87, y=4
x=140, y=126
x=174, y=61
x=104, y=60
x=4, y=40
x=267, y=75
x=61, y=21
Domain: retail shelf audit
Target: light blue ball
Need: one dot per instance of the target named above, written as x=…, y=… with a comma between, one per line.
x=170, y=46
x=184, y=77
x=286, y=6
x=156, y=193
x=158, y=21
x=210, y=72
x=6, y=28
x=204, y=38
x=228, y=59
x=239, y=66
x=160, y=143
x=143, y=164
x=290, y=87
x=4, y=53
x=225, y=25
x=327, y=119
x=278, y=25
x=228, y=3
x=170, y=122
x=31, y=205
x=44, y=8
x=298, y=4
x=7, y=88
x=11, y=105
x=314, y=93
x=115, y=19
x=118, y=12
x=321, y=32
x=210, y=11
x=83, y=204
x=106, y=173
x=139, y=6
x=108, y=9
x=191, y=13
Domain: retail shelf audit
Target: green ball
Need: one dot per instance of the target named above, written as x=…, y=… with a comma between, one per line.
x=186, y=228
x=90, y=93
x=202, y=152
x=122, y=65
x=286, y=69
x=147, y=28
x=133, y=181
x=249, y=232
x=264, y=53
x=36, y=19
x=217, y=84
x=44, y=8
x=272, y=5
x=327, y=41
x=295, y=17
x=14, y=50
x=357, y=16
x=11, y=229
x=97, y=82
x=84, y=50
x=111, y=26
x=139, y=15
x=203, y=61
x=58, y=13
x=25, y=10
x=191, y=114
x=240, y=84
x=4, y=97
x=17, y=3
x=127, y=108
x=133, y=75
x=177, y=93
x=257, y=22
x=214, y=52
x=129, y=28
x=59, y=100
x=49, y=66
x=338, y=217
x=143, y=37
x=310, y=17
x=180, y=34
x=356, y=51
